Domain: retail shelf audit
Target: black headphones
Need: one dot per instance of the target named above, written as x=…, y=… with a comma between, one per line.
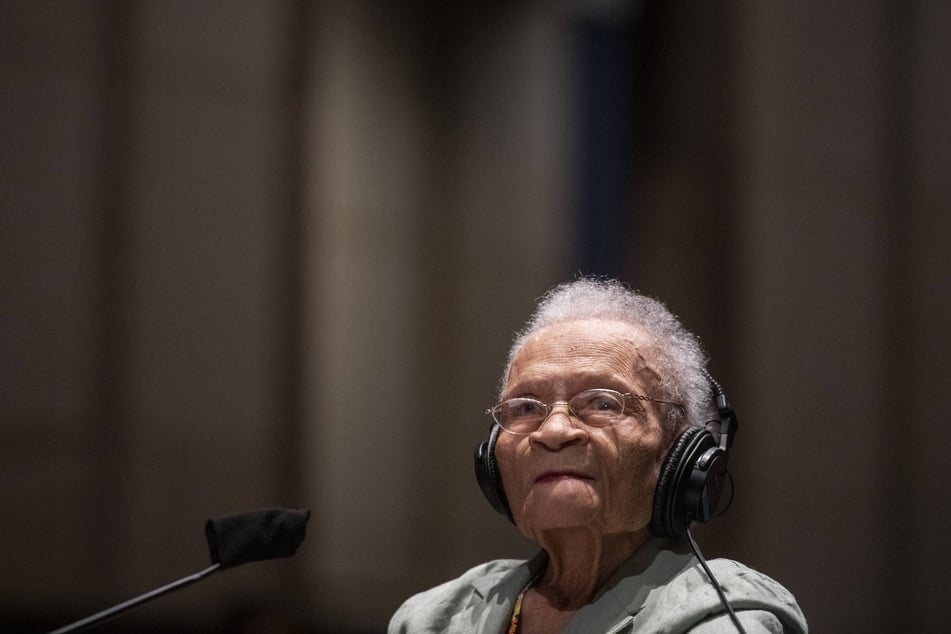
x=688, y=487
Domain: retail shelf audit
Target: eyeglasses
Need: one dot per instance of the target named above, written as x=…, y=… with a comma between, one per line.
x=598, y=407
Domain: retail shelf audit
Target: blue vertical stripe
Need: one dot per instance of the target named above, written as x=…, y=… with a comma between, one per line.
x=605, y=158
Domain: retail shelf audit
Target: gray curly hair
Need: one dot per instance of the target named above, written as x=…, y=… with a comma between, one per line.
x=675, y=353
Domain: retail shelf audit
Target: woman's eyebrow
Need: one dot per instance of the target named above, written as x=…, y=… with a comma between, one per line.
x=532, y=387
x=574, y=383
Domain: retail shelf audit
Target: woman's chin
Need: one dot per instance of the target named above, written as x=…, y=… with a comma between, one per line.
x=558, y=514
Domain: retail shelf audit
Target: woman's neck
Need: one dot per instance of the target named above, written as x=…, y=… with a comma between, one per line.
x=580, y=562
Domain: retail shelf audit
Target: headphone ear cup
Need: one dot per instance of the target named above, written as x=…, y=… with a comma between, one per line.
x=665, y=491
x=688, y=486
x=488, y=475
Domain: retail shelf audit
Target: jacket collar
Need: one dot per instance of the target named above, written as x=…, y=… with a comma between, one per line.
x=490, y=606
x=652, y=565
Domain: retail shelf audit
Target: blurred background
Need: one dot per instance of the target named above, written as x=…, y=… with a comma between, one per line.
x=267, y=253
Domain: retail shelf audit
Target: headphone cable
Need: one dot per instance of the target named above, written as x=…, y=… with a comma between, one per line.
x=706, y=568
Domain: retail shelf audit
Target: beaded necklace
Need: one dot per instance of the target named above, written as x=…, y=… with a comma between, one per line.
x=517, y=610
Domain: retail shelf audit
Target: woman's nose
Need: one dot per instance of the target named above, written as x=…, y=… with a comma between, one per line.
x=559, y=428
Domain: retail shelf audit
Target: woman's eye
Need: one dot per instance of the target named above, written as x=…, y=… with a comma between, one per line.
x=601, y=404
x=525, y=409
x=606, y=404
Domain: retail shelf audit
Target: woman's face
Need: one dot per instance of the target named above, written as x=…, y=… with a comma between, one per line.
x=566, y=474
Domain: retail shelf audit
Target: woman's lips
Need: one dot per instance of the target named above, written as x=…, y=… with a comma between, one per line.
x=554, y=476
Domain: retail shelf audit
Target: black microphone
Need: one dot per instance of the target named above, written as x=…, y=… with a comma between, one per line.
x=266, y=534
x=232, y=540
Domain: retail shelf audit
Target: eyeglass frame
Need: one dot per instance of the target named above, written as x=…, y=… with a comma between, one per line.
x=624, y=397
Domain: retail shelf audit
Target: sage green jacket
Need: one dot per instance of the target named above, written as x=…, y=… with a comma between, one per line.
x=661, y=588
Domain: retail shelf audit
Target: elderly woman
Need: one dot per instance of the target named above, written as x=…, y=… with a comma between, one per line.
x=604, y=396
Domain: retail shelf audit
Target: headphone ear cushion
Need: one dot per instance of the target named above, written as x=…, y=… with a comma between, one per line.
x=489, y=476
x=669, y=492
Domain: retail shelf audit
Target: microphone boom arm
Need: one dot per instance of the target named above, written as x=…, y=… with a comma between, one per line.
x=136, y=601
x=232, y=540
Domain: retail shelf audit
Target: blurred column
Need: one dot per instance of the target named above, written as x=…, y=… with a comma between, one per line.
x=813, y=291
x=50, y=199
x=203, y=339
x=436, y=213
x=917, y=514
x=144, y=167
x=364, y=167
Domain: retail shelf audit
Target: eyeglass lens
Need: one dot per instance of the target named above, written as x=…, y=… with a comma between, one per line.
x=594, y=407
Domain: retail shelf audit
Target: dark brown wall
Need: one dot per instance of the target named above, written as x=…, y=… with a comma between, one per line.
x=222, y=224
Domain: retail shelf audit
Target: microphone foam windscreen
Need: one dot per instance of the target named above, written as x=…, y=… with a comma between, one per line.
x=265, y=534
